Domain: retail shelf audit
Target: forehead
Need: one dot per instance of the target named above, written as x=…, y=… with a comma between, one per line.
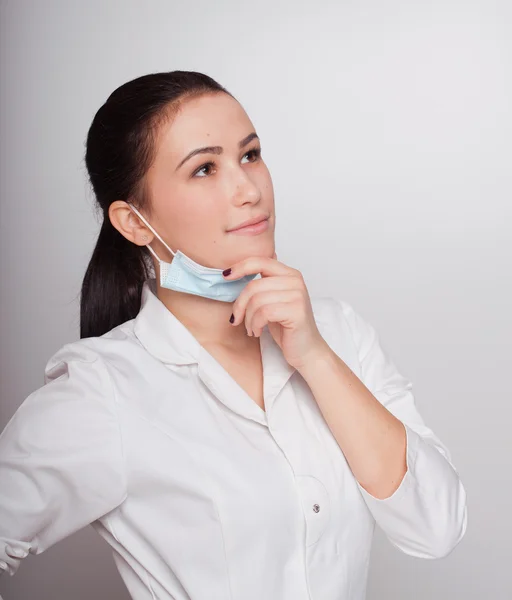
x=209, y=120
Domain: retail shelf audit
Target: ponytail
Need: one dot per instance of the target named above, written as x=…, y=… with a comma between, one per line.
x=121, y=145
x=112, y=285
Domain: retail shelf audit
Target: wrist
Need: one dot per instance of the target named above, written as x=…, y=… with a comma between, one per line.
x=319, y=355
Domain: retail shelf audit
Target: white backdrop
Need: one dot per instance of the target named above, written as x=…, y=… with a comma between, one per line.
x=387, y=129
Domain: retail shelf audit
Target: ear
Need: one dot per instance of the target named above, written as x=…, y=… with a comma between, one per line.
x=128, y=224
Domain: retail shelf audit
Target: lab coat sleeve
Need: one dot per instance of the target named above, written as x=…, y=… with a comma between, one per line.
x=426, y=516
x=61, y=457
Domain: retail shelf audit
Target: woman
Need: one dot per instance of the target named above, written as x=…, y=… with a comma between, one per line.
x=229, y=436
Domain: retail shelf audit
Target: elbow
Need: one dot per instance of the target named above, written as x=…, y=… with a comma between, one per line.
x=443, y=545
x=439, y=531
x=434, y=544
x=446, y=533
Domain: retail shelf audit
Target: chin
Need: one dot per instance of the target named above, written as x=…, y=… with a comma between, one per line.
x=243, y=250
x=265, y=250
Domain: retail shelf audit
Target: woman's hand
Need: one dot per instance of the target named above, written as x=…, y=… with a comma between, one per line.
x=280, y=300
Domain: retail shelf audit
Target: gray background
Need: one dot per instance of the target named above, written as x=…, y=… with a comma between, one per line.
x=387, y=129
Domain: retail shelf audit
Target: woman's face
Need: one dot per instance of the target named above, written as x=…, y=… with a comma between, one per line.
x=196, y=200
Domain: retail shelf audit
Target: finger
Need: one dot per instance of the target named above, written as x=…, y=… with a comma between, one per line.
x=280, y=312
x=263, y=300
x=258, y=286
x=259, y=264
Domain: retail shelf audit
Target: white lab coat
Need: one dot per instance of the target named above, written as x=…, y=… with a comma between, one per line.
x=201, y=494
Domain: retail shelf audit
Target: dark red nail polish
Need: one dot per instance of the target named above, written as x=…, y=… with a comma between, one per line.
x=232, y=318
x=226, y=272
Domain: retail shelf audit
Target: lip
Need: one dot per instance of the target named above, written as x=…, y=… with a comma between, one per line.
x=250, y=223
x=255, y=229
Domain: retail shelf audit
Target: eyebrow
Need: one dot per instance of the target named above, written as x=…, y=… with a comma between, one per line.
x=217, y=149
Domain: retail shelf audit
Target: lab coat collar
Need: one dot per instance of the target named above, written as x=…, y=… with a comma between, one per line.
x=166, y=338
x=161, y=332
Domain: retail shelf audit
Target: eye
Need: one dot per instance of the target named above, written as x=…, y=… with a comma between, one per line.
x=255, y=152
x=207, y=165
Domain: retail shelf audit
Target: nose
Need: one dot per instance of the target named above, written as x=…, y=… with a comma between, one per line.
x=245, y=190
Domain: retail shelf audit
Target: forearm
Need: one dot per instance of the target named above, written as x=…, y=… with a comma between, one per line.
x=371, y=438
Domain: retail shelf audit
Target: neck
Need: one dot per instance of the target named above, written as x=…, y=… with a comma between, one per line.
x=206, y=319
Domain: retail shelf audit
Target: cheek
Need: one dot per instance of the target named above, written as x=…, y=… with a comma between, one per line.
x=200, y=221
x=190, y=211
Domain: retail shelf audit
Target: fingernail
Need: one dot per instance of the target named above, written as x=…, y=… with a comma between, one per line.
x=232, y=318
x=226, y=272
x=16, y=552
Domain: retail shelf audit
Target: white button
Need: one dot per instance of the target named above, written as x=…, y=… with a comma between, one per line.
x=313, y=495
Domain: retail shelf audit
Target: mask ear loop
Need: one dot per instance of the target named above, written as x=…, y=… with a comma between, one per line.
x=153, y=231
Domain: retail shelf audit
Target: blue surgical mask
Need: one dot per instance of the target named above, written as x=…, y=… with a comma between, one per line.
x=185, y=275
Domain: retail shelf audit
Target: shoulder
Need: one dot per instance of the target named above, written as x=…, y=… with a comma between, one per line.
x=77, y=393
x=74, y=413
x=340, y=315
x=91, y=355
x=332, y=311
x=342, y=327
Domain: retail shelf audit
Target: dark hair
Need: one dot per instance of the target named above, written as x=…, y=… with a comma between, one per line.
x=120, y=148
